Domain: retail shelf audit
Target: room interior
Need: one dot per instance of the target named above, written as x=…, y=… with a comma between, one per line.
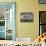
x=22, y=30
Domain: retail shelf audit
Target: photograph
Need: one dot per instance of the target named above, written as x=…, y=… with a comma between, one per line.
x=26, y=17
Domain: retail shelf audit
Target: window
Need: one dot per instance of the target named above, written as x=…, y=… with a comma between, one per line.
x=42, y=22
x=7, y=21
x=42, y=1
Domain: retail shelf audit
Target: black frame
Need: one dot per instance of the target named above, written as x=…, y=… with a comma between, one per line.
x=28, y=15
x=39, y=24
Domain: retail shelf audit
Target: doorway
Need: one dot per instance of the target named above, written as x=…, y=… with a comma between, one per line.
x=42, y=22
x=7, y=21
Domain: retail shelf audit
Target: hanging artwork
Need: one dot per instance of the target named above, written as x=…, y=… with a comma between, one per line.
x=26, y=17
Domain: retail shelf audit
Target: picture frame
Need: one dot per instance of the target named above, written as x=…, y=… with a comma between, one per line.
x=26, y=17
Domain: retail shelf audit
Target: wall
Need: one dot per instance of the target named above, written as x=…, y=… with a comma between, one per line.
x=42, y=7
x=28, y=30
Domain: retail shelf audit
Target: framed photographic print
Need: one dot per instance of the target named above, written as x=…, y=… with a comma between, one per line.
x=42, y=1
x=26, y=17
